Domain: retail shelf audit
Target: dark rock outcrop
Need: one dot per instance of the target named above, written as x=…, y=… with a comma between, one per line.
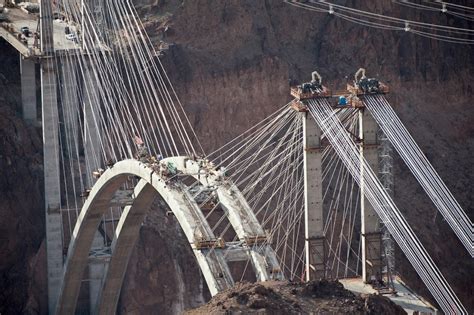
x=279, y=297
x=22, y=265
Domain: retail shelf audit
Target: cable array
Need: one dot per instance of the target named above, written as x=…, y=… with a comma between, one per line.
x=266, y=163
x=422, y=169
x=385, y=207
x=115, y=99
x=341, y=208
x=113, y=90
x=439, y=32
x=439, y=6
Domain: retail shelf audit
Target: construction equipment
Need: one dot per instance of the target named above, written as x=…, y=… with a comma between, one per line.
x=209, y=243
x=308, y=90
x=366, y=85
x=349, y=100
x=256, y=240
x=362, y=86
x=311, y=89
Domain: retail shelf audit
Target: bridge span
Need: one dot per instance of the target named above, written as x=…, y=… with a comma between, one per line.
x=212, y=253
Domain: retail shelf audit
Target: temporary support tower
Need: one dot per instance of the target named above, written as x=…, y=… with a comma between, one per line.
x=370, y=223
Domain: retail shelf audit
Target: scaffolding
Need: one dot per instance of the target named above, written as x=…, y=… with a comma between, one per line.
x=386, y=178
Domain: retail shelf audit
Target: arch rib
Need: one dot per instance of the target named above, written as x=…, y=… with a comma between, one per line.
x=213, y=265
x=211, y=261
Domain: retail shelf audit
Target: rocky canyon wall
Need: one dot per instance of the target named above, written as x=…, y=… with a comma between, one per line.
x=232, y=60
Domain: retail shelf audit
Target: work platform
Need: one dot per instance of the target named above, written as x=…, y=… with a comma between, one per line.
x=350, y=97
x=403, y=295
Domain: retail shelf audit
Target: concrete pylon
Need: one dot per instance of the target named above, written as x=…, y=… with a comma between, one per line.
x=315, y=249
x=371, y=237
x=54, y=246
x=50, y=123
x=28, y=89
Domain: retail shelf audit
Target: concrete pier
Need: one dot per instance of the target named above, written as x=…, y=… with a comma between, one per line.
x=54, y=246
x=370, y=223
x=52, y=190
x=313, y=198
x=97, y=266
x=28, y=90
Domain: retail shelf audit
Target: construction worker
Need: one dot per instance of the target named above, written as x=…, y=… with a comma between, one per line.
x=142, y=152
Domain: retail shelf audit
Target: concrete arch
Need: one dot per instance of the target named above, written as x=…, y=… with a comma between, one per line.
x=211, y=261
x=240, y=215
x=187, y=213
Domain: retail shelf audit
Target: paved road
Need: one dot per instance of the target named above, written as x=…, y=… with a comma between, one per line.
x=404, y=297
x=19, y=19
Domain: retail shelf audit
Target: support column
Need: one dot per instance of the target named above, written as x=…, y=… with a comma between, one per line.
x=371, y=237
x=52, y=192
x=386, y=178
x=97, y=268
x=313, y=197
x=28, y=90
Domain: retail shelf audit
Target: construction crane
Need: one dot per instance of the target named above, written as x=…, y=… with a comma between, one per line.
x=311, y=89
x=361, y=86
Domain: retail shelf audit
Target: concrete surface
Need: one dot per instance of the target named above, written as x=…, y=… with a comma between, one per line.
x=211, y=262
x=19, y=19
x=404, y=296
x=313, y=200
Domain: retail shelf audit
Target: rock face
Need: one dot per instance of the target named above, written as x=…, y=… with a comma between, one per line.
x=230, y=65
x=232, y=61
x=163, y=276
x=22, y=265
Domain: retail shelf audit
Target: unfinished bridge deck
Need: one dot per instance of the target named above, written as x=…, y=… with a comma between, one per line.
x=17, y=19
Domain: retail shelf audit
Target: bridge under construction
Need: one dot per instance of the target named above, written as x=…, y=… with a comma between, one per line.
x=303, y=195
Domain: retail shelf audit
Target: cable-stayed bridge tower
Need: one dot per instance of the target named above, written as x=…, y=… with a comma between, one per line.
x=316, y=241
x=357, y=148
